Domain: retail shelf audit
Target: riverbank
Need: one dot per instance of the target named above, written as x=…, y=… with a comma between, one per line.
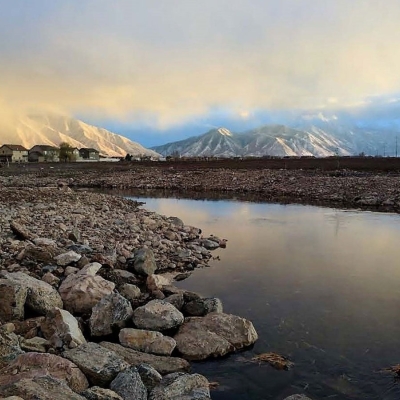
x=367, y=190
x=88, y=308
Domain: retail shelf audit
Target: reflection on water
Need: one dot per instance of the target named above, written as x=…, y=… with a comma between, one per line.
x=321, y=286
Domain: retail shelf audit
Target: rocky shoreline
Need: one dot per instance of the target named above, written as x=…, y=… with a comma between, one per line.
x=88, y=308
x=375, y=191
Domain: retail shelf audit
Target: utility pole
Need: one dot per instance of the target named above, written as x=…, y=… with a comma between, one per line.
x=384, y=149
x=396, y=146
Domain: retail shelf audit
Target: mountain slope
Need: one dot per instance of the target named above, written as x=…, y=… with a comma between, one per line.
x=273, y=140
x=217, y=142
x=54, y=129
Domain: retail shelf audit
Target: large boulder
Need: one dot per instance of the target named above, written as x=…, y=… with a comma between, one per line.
x=62, y=329
x=112, y=311
x=164, y=365
x=12, y=300
x=43, y=388
x=128, y=384
x=147, y=341
x=157, y=315
x=144, y=262
x=201, y=307
x=33, y=365
x=41, y=296
x=180, y=386
x=83, y=290
x=214, y=335
x=9, y=345
x=99, y=364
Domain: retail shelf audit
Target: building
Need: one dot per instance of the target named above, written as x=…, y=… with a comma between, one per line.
x=89, y=154
x=13, y=153
x=44, y=153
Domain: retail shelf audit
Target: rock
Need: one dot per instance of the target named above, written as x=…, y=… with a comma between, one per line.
x=157, y=315
x=12, y=300
x=43, y=388
x=9, y=346
x=154, y=282
x=128, y=384
x=83, y=290
x=21, y=232
x=35, y=344
x=41, y=296
x=62, y=329
x=44, y=242
x=164, y=365
x=51, y=279
x=147, y=341
x=176, y=300
x=144, y=262
x=214, y=335
x=202, y=307
x=74, y=235
x=98, y=393
x=179, y=386
x=112, y=311
x=129, y=291
x=209, y=244
x=297, y=397
x=33, y=365
x=150, y=377
x=99, y=364
x=28, y=328
x=67, y=258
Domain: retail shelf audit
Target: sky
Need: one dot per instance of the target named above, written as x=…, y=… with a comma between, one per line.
x=161, y=70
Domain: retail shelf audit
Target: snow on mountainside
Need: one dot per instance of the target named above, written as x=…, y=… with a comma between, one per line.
x=217, y=142
x=55, y=129
x=273, y=140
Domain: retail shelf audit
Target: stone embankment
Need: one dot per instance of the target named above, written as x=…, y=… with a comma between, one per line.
x=88, y=308
x=378, y=191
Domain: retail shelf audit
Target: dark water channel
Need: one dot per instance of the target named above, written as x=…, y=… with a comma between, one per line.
x=322, y=286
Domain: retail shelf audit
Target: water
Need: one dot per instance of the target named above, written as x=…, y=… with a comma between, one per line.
x=321, y=286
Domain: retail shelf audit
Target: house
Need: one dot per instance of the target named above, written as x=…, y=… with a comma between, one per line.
x=14, y=153
x=44, y=153
x=89, y=154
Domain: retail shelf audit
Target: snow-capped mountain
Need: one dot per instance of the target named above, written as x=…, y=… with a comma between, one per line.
x=54, y=129
x=217, y=142
x=274, y=140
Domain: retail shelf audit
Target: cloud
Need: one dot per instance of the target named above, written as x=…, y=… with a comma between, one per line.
x=169, y=60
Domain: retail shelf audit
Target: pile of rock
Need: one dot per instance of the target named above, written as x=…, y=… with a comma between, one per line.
x=80, y=322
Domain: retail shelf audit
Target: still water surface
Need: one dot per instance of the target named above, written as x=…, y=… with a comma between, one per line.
x=322, y=286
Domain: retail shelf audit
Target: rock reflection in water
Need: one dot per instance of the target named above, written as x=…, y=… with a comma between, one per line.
x=321, y=286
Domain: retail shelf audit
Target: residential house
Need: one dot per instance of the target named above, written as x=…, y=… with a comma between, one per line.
x=89, y=154
x=13, y=153
x=44, y=153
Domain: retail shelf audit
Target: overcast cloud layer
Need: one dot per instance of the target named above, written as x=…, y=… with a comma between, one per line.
x=169, y=60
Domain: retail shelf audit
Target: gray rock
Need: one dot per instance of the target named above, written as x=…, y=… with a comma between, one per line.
x=36, y=344
x=98, y=393
x=164, y=365
x=112, y=311
x=176, y=300
x=128, y=384
x=297, y=397
x=41, y=296
x=209, y=244
x=9, y=346
x=147, y=341
x=67, y=258
x=12, y=300
x=157, y=315
x=75, y=235
x=144, y=262
x=150, y=377
x=100, y=365
x=62, y=329
x=201, y=307
x=214, y=335
x=43, y=388
x=179, y=386
x=129, y=291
